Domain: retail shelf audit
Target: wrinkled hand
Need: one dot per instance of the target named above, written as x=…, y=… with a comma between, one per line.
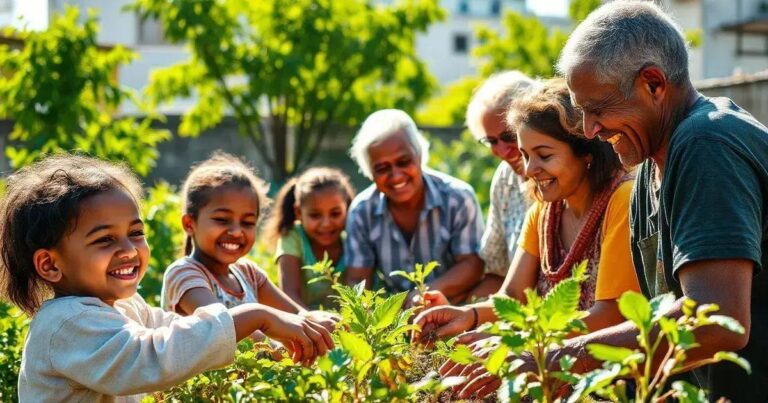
x=442, y=322
x=469, y=338
x=478, y=381
x=328, y=320
x=304, y=339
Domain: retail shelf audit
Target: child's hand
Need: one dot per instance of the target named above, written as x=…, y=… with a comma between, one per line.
x=434, y=298
x=328, y=320
x=304, y=339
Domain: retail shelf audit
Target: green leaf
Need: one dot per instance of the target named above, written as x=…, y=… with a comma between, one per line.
x=604, y=352
x=734, y=358
x=496, y=359
x=560, y=305
x=404, y=274
x=687, y=393
x=462, y=355
x=429, y=268
x=566, y=362
x=384, y=314
x=593, y=381
x=636, y=308
x=727, y=322
x=509, y=310
x=661, y=304
x=356, y=346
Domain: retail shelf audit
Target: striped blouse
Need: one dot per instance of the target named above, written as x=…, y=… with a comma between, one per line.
x=450, y=224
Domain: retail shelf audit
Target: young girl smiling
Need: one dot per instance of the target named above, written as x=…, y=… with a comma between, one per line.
x=222, y=201
x=309, y=222
x=70, y=228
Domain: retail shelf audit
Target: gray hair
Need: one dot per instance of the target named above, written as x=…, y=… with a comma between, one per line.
x=494, y=94
x=381, y=125
x=620, y=38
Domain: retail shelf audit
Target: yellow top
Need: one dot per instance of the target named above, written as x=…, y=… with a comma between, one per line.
x=615, y=271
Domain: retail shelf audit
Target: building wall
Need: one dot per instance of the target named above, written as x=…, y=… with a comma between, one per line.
x=750, y=94
x=717, y=57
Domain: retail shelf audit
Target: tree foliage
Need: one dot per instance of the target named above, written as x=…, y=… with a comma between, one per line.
x=524, y=44
x=60, y=89
x=298, y=67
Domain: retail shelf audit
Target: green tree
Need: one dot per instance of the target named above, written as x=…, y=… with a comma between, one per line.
x=291, y=68
x=61, y=91
x=524, y=44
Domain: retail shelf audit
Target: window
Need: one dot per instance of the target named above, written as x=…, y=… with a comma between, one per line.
x=495, y=7
x=151, y=32
x=463, y=7
x=460, y=43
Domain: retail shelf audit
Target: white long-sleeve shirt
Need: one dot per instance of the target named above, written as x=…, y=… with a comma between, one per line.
x=81, y=349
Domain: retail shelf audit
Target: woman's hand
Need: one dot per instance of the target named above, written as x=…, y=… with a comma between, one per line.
x=443, y=322
x=304, y=339
x=328, y=320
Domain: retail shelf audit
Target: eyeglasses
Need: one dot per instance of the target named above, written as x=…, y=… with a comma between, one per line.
x=507, y=137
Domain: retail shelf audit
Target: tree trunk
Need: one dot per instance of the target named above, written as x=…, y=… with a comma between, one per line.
x=279, y=132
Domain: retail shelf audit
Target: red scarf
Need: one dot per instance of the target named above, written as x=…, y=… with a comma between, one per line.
x=554, y=266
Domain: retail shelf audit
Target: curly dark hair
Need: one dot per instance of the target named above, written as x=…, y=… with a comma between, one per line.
x=40, y=206
x=548, y=110
x=218, y=171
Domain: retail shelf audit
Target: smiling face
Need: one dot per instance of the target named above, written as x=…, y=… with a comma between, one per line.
x=323, y=215
x=502, y=141
x=631, y=125
x=396, y=169
x=556, y=170
x=105, y=255
x=224, y=229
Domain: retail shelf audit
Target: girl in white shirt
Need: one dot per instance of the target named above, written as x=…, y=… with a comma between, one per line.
x=70, y=229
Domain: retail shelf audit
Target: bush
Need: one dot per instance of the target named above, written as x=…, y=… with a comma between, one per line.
x=163, y=231
x=467, y=160
x=13, y=331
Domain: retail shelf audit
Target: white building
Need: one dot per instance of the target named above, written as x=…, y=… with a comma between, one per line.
x=734, y=35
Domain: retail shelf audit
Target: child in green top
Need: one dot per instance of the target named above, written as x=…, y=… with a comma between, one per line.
x=310, y=214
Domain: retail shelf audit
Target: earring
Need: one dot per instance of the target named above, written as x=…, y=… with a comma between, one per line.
x=589, y=165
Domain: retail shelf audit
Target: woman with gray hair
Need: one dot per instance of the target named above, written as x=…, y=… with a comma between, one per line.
x=411, y=214
x=486, y=121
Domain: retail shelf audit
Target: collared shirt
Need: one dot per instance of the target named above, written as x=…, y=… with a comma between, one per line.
x=450, y=224
x=505, y=219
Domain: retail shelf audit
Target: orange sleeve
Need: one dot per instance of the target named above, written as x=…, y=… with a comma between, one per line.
x=615, y=271
x=529, y=234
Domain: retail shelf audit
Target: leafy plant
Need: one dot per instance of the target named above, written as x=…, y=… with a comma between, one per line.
x=324, y=271
x=467, y=160
x=418, y=276
x=371, y=363
x=161, y=209
x=13, y=330
x=655, y=330
x=533, y=328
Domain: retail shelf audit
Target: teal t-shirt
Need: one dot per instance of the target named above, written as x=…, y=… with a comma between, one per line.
x=295, y=243
x=711, y=205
